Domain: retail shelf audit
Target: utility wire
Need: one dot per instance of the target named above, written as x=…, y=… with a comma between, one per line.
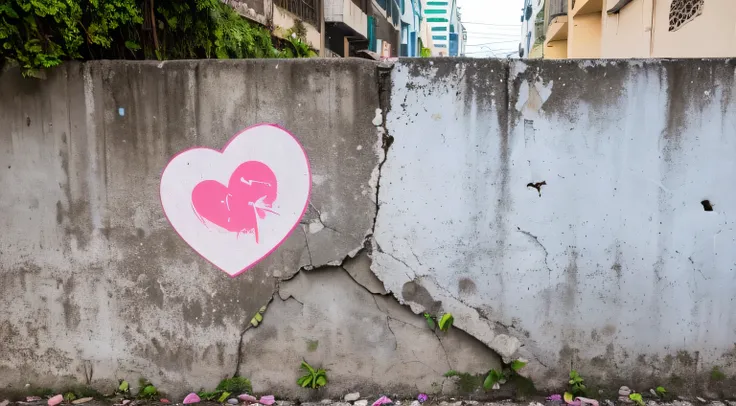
x=497, y=25
x=491, y=43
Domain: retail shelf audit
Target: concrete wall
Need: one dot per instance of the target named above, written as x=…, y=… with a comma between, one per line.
x=613, y=268
x=419, y=203
x=93, y=278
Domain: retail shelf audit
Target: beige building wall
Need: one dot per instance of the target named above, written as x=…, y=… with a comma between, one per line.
x=584, y=36
x=556, y=50
x=627, y=34
x=284, y=20
x=641, y=30
x=712, y=34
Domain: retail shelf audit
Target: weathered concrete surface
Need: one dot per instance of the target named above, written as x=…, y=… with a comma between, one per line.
x=92, y=277
x=366, y=341
x=615, y=269
x=612, y=267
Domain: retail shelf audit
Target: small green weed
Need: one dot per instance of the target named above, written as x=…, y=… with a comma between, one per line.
x=258, y=318
x=577, y=385
x=451, y=373
x=236, y=384
x=123, y=387
x=661, y=391
x=314, y=378
x=225, y=388
x=446, y=322
x=147, y=390
x=430, y=321
x=716, y=374
x=636, y=397
x=495, y=379
x=69, y=397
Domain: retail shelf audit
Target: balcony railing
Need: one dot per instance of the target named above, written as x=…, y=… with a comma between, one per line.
x=557, y=8
x=307, y=10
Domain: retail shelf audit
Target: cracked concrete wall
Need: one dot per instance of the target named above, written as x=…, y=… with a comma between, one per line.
x=95, y=285
x=611, y=266
x=427, y=196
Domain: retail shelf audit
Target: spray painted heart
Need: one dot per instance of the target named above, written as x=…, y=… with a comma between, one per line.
x=236, y=206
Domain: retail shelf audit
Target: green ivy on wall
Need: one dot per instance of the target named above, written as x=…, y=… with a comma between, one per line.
x=39, y=34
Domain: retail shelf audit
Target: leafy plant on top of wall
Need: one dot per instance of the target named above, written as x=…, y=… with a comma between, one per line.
x=313, y=378
x=42, y=34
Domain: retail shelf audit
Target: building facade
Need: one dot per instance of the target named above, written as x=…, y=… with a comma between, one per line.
x=531, y=44
x=640, y=29
x=411, y=20
x=443, y=22
x=284, y=17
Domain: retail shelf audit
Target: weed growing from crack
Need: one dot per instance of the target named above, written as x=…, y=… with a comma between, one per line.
x=314, y=378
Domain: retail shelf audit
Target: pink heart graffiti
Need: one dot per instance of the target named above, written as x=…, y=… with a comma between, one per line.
x=249, y=195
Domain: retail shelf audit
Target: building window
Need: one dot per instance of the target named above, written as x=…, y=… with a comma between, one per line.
x=684, y=11
x=307, y=10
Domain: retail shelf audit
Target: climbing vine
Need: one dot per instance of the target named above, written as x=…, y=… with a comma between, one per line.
x=37, y=34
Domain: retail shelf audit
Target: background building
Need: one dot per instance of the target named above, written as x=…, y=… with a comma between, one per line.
x=346, y=26
x=640, y=28
x=532, y=29
x=284, y=17
x=443, y=22
x=411, y=20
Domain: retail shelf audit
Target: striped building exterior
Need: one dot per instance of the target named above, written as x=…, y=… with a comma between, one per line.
x=441, y=16
x=437, y=14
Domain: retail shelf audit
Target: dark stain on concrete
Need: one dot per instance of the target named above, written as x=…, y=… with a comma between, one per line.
x=414, y=292
x=466, y=286
x=72, y=314
x=312, y=345
x=571, y=280
x=192, y=312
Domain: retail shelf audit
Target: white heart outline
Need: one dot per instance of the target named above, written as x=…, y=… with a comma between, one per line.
x=222, y=152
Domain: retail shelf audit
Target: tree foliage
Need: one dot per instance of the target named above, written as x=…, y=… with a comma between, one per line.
x=39, y=34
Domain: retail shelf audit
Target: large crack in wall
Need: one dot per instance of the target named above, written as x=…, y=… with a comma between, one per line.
x=415, y=357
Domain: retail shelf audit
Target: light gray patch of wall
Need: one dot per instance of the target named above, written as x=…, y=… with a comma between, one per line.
x=616, y=269
x=92, y=276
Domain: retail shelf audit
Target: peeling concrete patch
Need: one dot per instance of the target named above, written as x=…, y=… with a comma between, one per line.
x=532, y=97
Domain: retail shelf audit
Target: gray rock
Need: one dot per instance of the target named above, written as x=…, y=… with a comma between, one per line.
x=365, y=403
x=233, y=401
x=352, y=397
x=608, y=403
x=415, y=403
x=625, y=399
x=326, y=401
x=624, y=391
x=702, y=400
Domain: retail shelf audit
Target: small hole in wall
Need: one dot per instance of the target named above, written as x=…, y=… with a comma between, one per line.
x=706, y=205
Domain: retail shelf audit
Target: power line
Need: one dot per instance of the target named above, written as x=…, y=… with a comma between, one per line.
x=491, y=43
x=496, y=25
x=495, y=36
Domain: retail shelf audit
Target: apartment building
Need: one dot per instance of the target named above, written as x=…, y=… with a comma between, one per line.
x=640, y=29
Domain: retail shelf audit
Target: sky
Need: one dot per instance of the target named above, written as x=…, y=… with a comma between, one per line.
x=498, y=31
